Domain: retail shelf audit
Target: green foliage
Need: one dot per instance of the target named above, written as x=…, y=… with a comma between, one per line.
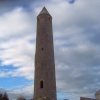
x=4, y=96
x=1, y=96
x=21, y=98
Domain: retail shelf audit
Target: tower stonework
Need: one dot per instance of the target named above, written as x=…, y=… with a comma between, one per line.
x=45, y=81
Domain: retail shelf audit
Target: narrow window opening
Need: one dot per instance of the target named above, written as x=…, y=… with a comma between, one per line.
x=41, y=84
x=49, y=18
x=42, y=49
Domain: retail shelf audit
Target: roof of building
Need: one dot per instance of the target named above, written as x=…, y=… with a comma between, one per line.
x=84, y=98
x=98, y=92
x=44, y=11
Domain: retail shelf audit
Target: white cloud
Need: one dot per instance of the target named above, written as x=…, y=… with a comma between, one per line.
x=17, y=49
x=14, y=23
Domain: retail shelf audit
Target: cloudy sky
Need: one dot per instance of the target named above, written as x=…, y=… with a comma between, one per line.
x=76, y=31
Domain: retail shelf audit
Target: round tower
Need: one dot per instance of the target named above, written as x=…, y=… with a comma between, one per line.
x=97, y=95
x=45, y=81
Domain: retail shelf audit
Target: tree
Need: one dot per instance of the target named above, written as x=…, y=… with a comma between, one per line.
x=1, y=96
x=5, y=97
x=21, y=98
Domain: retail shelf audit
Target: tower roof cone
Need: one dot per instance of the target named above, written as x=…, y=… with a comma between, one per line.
x=44, y=11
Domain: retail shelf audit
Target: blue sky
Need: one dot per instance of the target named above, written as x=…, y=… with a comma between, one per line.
x=76, y=44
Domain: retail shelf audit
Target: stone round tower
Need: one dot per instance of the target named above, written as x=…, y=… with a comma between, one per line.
x=45, y=81
x=97, y=95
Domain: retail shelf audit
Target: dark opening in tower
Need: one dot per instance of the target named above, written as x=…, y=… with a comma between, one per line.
x=41, y=84
x=42, y=49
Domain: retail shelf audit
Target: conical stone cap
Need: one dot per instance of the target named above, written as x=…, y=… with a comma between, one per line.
x=44, y=11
